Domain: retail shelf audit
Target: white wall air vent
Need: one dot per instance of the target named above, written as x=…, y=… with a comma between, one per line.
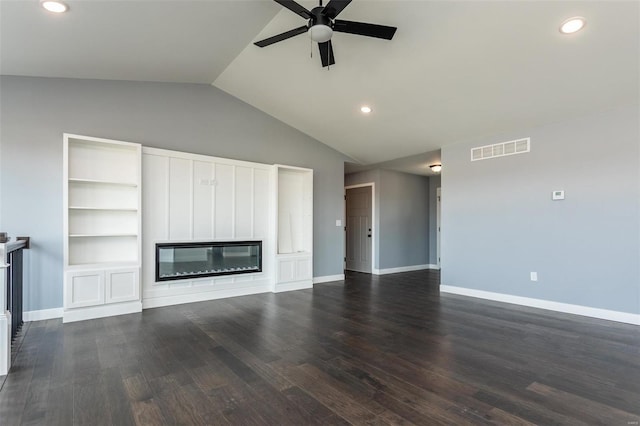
x=518, y=146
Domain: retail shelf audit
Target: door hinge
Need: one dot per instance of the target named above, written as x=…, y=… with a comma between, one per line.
x=345, y=198
x=345, y=258
x=345, y=228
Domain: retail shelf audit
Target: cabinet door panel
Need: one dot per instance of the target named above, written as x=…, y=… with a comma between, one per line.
x=84, y=288
x=303, y=269
x=286, y=270
x=122, y=285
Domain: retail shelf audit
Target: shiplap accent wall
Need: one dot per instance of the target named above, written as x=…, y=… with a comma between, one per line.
x=190, y=197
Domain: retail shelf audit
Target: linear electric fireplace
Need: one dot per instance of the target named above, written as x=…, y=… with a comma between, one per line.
x=179, y=261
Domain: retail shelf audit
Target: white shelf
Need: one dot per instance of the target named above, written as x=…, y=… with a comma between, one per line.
x=109, y=209
x=102, y=182
x=102, y=226
x=102, y=265
x=100, y=235
x=295, y=254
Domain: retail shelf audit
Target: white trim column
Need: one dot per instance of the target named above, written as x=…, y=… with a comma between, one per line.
x=5, y=316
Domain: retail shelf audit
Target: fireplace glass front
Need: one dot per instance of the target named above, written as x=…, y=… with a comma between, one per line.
x=178, y=261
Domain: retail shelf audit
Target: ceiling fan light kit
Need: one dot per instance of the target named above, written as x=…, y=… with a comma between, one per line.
x=321, y=24
x=320, y=33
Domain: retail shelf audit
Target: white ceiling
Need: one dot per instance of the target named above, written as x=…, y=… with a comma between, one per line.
x=143, y=40
x=454, y=69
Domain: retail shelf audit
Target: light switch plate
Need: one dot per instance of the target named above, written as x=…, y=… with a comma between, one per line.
x=338, y=222
x=557, y=195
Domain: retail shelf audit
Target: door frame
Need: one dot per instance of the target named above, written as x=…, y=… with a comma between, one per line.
x=373, y=224
x=438, y=225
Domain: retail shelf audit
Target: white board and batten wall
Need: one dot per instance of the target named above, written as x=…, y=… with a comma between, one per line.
x=190, y=197
x=120, y=199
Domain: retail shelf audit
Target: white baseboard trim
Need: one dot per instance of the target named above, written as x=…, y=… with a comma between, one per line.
x=328, y=278
x=42, y=314
x=296, y=285
x=93, y=312
x=567, y=308
x=157, y=302
x=403, y=269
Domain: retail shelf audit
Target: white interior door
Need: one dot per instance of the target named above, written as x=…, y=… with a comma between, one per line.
x=359, y=227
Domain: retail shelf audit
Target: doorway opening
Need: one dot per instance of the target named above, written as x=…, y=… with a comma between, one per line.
x=359, y=230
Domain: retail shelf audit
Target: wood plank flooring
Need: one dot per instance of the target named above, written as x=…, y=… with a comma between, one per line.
x=373, y=350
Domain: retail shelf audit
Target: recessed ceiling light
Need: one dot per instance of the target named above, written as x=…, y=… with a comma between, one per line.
x=572, y=25
x=365, y=109
x=54, y=6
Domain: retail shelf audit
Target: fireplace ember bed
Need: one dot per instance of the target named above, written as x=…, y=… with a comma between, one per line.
x=179, y=261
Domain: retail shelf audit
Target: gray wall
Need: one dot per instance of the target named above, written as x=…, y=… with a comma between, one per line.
x=402, y=217
x=499, y=222
x=185, y=117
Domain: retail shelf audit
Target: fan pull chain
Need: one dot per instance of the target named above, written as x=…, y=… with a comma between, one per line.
x=311, y=46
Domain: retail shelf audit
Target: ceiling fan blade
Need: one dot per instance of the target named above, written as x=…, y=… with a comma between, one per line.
x=364, y=29
x=295, y=8
x=334, y=7
x=276, y=38
x=326, y=53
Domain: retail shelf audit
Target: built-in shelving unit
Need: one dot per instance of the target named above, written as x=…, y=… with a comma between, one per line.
x=102, y=227
x=294, y=228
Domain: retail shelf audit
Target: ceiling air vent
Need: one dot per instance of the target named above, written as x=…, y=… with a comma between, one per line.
x=519, y=146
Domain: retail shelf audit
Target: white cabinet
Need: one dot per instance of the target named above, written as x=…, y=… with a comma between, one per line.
x=95, y=287
x=294, y=228
x=101, y=226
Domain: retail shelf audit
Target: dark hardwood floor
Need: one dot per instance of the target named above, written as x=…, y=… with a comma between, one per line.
x=376, y=350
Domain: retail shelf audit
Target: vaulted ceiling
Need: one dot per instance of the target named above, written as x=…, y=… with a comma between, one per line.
x=454, y=69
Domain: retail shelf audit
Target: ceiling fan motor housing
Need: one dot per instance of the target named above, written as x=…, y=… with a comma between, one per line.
x=320, y=26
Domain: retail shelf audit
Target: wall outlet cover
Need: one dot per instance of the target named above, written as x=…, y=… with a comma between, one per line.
x=557, y=195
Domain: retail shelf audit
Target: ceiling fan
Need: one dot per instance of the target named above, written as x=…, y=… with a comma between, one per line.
x=322, y=22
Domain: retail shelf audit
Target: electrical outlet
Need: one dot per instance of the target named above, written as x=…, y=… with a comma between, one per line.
x=534, y=276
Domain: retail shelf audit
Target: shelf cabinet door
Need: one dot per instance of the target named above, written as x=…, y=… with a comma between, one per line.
x=294, y=269
x=286, y=270
x=122, y=285
x=303, y=269
x=84, y=288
